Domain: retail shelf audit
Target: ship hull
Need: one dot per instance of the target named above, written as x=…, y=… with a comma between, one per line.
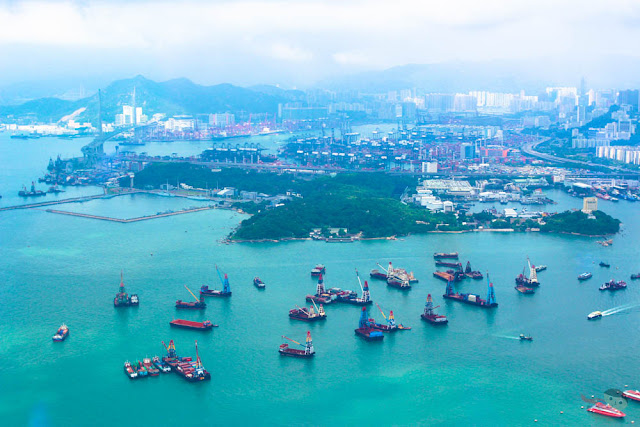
x=433, y=321
x=366, y=334
x=476, y=303
x=197, y=326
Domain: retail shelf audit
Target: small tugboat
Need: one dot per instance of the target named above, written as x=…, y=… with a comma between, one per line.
x=352, y=297
x=62, y=333
x=128, y=369
x=365, y=330
x=632, y=394
x=585, y=276
x=635, y=276
x=318, y=270
x=308, y=351
x=608, y=410
x=308, y=315
x=594, y=315
x=32, y=193
x=541, y=268
x=258, y=283
x=161, y=365
x=321, y=296
x=452, y=255
x=613, y=285
x=199, y=304
x=472, y=299
x=430, y=315
x=524, y=337
x=122, y=299
x=188, y=324
x=226, y=287
x=604, y=264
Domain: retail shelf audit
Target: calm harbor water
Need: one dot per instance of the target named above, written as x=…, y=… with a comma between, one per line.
x=473, y=371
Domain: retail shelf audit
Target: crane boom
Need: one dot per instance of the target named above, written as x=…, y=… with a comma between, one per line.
x=219, y=275
x=293, y=341
x=385, y=270
x=359, y=281
x=197, y=299
x=385, y=317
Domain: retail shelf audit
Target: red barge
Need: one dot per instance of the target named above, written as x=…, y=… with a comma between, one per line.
x=188, y=324
x=199, y=304
x=308, y=315
x=430, y=315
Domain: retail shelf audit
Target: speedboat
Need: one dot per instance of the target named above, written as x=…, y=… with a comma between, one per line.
x=608, y=410
x=62, y=333
x=632, y=394
x=604, y=264
x=594, y=315
x=524, y=337
x=541, y=268
x=585, y=276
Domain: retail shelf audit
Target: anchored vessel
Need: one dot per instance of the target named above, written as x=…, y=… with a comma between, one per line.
x=122, y=299
x=391, y=325
x=472, y=299
x=199, y=304
x=352, y=297
x=188, y=324
x=308, y=351
x=469, y=272
x=185, y=366
x=226, y=287
x=608, y=410
x=453, y=255
x=321, y=296
x=308, y=314
x=130, y=371
x=632, y=394
x=430, y=315
x=62, y=333
x=318, y=270
x=396, y=277
x=365, y=329
x=531, y=281
x=604, y=264
x=32, y=193
x=447, y=277
x=258, y=283
x=613, y=285
x=585, y=276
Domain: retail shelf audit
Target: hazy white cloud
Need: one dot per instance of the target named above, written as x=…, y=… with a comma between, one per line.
x=313, y=38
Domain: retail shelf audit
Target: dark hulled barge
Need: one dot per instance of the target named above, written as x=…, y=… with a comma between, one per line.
x=122, y=299
x=450, y=255
x=472, y=299
x=226, y=287
x=430, y=315
x=308, y=351
x=365, y=329
x=198, y=304
x=308, y=314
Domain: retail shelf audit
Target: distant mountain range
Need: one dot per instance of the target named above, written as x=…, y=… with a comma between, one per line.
x=173, y=97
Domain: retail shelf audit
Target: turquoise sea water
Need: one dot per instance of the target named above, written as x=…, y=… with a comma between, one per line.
x=472, y=372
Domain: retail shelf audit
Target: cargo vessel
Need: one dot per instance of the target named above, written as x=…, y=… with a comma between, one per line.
x=129, y=371
x=430, y=315
x=613, y=285
x=122, y=299
x=151, y=369
x=226, y=287
x=161, y=365
x=584, y=276
x=604, y=264
x=541, y=268
x=308, y=314
x=472, y=299
x=635, y=276
x=396, y=277
x=474, y=274
x=365, y=330
x=390, y=326
x=524, y=337
x=532, y=280
x=62, y=333
x=188, y=324
x=32, y=193
x=608, y=410
x=258, y=283
x=524, y=289
x=185, y=366
x=352, y=297
x=318, y=270
x=199, y=304
x=321, y=296
x=457, y=265
x=444, y=276
x=451, y=255
x=308, y=351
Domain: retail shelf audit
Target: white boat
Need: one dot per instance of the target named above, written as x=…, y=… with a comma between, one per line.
x=594, y=315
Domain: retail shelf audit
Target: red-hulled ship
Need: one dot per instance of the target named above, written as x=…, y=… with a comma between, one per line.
x=524, y=289
x=199, y=304
x=613, y=285
x=318, y=270
x=452, y=255
x=352, y=297
x=396, y=277
x=308, y=351
x=308, y=314
x=321, y=296
x=608, y=410
x=430, y=315
x=472, y=299
x=188, y=324
x=185, y=366
x=632, y=394
x=444, y=276
x=391, y=325
x=365, y=329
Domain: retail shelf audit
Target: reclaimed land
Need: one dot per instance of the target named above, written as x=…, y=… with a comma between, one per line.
x=366, y=204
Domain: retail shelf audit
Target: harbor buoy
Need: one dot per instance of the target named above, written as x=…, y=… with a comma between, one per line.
x=562, y=412
x=582, y=407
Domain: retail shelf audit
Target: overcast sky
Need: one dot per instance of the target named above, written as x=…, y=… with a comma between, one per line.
x=300, y=41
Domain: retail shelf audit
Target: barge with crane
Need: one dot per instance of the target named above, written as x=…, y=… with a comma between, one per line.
x=226, y=287
x=122, y=299
x=472, y=299
x=286, y=350
x=199, y=303
x=365, y=329
x=430, y=315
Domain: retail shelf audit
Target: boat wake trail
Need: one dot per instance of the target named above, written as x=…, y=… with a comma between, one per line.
x=623, y=307
x=508, y=337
